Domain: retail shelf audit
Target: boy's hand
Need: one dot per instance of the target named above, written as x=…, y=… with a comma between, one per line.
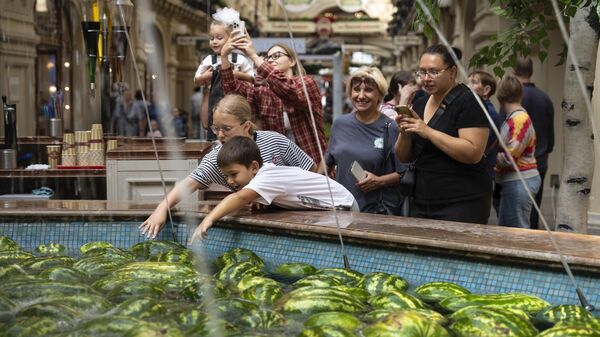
x=154, y=223
x=201, y=231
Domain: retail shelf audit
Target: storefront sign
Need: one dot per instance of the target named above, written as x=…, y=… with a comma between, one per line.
x=264, y=43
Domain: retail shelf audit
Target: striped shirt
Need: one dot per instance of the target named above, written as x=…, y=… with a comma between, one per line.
x=519, y=135
x=274, y=148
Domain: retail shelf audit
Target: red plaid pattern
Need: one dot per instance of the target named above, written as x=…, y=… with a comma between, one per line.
x=283, y=94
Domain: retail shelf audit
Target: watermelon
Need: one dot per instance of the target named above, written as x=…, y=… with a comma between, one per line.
x=261, y=319
x=491, y=322
x=50, y=248
x=294, y=270
x=340, y=319
x=263, y=294
x=396, y=300
x=318, y=281
x=347, y=276
x=528, y=303
x=252, y=280
x=237, y=255
x=434, y=292
x=92, y=245
x=377, y=283
x=406, y=323
x=232, y=274
x=327, y=331
x=7, y=243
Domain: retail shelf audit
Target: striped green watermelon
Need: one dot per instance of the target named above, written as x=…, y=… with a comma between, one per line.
x=396, y=300
x=31, y=327
x=36, y=265
x=530, y=304
x=232, y=274
x=310, y=300
x=148, y=249
x=107, y=325
x=340, y=319
x=140, y=308
x=63, y=274
x=377, y=283
x=317, y=281
x=359, y=293
x=84, y=303
x=8, y=257
x=566, y=312
x=491, y=322
x=294, y=270
x=154, y=331
x=570, y=331
x=252, y=280
x=50, y=248
x=135, y=288
x=263, y=294
x=7, y=243
x=93, y=245
x=237, y=255
x=232, y=308
x=56, y=311
x=434, y=292
x=24, y=290
x=327, y=331
x=406, y=323
x=347, y=276
x=97, y=266
x=262, y=319
x=7, y=308
x=378, y=314
x=109, y=252
x=14, y=272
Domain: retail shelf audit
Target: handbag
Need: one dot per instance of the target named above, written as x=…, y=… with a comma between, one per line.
x=385, y=206
x=409, y=178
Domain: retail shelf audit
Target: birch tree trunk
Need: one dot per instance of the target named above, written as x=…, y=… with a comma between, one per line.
x=578, y=165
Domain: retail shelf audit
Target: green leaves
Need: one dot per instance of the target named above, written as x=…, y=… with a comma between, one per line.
x=527, y=34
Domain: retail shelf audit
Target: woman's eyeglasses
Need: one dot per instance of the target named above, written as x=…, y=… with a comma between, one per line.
x=369, y=83
x=433, y=73
x=275, y=56
x=225, y=129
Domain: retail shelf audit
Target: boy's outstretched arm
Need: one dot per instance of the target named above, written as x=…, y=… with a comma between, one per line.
x=230, y=204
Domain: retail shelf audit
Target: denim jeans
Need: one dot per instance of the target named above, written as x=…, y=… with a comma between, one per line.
x=515, y=205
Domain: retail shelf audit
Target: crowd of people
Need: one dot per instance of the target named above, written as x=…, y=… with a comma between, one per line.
x=422, y=145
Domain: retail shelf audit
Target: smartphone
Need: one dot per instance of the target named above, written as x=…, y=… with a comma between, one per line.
x=403, y=110
x=357, y=171
x=239, y=27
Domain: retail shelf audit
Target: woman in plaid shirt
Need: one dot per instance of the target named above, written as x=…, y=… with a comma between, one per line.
x=281, y=104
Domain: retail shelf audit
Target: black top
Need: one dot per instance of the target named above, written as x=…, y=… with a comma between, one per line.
x=439, y=178
x=541, y=111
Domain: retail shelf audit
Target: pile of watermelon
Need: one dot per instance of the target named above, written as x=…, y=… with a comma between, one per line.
x=158, y=288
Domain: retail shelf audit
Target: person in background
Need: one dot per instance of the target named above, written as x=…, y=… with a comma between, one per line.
x=154, y=130
x=179, y=122
x=284, y=186
x=221, y=29
x=231, y=118
x=484, y=85
x=196, y=129
x=282, y=104
x=446, y=135
x=517, y=132
x=541, y=111
x=367, y=137
x=401, y=91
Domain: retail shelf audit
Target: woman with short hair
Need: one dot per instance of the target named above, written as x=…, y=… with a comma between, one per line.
x=367, y=137
x=517, y=132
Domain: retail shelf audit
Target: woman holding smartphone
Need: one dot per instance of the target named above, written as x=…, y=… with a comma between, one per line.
x=365, y=139
x=446, y=135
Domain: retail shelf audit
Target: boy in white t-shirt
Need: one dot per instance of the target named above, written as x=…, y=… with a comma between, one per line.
x=286, y=187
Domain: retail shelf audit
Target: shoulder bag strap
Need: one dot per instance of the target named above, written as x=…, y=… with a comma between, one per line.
x=448, y=99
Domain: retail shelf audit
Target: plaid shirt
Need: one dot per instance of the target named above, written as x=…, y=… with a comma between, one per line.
x=283, y=94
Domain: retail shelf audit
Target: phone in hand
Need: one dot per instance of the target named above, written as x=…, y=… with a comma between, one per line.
x=403, y=110
x=357, y=171
x=239, y=27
